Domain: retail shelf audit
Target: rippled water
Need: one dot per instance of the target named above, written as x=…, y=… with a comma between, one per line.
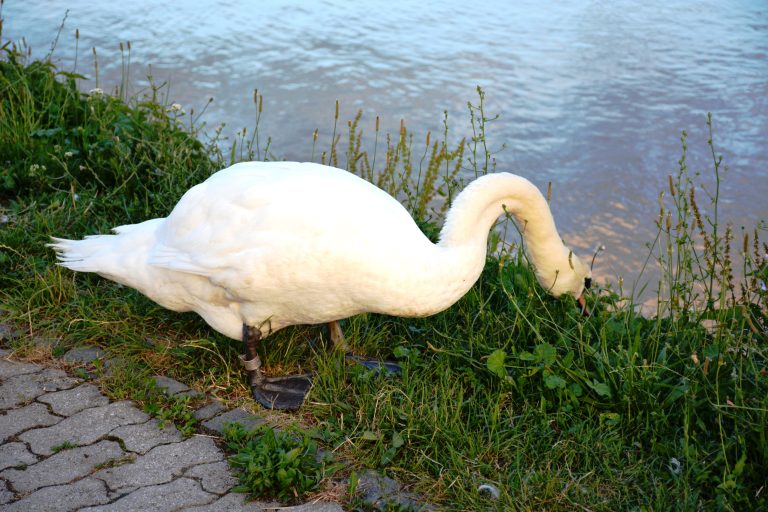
x=592, y=95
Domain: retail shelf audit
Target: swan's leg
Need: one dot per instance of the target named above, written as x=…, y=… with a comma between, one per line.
x=272, y=392
x=337, y=336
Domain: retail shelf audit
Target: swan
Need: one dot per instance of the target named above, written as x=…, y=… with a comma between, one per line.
x=262, y=245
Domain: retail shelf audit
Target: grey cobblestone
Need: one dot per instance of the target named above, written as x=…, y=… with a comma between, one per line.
x=71, y=401
x=246, y=419
x=209, y=411
x=169, y=386
x=84, y=427
x=19, y=420
x=214, y=477
x=22, y=388
x=161, y=464
x=13, y=368
x=159, y=470
x=177, y=495
x=236, y=502
x=143, y=437
x=84, y=355
x=9, y=332
x=63, y=498
x=63, y=467
x=5, y=494
x=15, y=454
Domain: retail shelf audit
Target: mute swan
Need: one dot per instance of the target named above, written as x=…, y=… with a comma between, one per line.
x=262, y=245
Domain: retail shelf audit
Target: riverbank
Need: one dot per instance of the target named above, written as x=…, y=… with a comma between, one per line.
x=508, y=390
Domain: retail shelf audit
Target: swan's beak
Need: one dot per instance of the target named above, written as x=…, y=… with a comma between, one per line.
x=583, y=305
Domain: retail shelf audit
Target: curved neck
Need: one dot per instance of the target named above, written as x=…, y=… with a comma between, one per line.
x=478, y=206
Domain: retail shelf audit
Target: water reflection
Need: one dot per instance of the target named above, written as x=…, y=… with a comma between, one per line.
x=593, y=95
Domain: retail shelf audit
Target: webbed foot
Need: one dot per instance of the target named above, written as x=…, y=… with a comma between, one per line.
x=281, y=392
x=286, y=392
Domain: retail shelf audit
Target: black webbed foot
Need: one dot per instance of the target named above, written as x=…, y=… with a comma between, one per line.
x=281, y=392
x=272, y=392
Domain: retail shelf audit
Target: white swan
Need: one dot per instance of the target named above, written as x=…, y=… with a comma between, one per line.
x=259, y=246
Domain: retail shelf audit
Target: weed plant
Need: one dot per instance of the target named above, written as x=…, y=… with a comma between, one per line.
x=509, y=387
x=280, y=464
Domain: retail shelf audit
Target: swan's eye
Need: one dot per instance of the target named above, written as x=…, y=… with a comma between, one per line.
x=587, y=282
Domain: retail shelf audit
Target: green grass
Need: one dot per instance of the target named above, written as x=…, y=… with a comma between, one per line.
x=509, y=387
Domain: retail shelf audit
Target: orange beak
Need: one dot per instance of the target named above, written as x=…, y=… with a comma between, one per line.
x=583, y=305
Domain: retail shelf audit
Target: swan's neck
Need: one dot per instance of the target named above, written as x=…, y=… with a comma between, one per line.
x=477, y=208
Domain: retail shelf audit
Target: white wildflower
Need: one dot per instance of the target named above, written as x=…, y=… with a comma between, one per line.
x=34, y=168
x=675, y=466
x=176, y=108
x=490, y=489
x=96, y=92
x=68, y=154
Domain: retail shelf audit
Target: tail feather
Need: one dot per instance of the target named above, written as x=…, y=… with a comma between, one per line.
x=82, y=255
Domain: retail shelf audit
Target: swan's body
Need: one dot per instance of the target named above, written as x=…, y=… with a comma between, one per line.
x=282, y=243
x=275, y=244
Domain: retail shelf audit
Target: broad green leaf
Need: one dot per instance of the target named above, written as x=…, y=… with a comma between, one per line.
x=545, y=353
x=495, y=362
x=553, y=381
x=526, y=356
x=601, y=388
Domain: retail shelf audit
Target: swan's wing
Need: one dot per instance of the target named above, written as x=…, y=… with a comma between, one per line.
x=252, y=230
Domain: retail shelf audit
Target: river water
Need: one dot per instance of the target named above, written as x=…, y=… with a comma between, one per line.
x=592, y=95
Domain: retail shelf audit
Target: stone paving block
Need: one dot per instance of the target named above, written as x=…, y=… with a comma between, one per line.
x=45, y=342
x=215, y=477
x=15, y=454
x=162, y=463
x=85, y=355
x=74, y=400
x=5, y=494
x=13, y=368
x=9, y=332
x=84, y=427
x=142, y=437
x=177, y=495
x=61, y=498
x=22, y=388
x=169, y=386
x=209, y=411
x=236, y=502
x=246, y=419
x=377, y=490
x=191, y=393
x=63, y=467
x=19, y=420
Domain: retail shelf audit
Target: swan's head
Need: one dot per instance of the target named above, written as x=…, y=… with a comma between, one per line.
x=570, y=277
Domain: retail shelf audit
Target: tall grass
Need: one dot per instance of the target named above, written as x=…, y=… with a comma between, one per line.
x=509, y=387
